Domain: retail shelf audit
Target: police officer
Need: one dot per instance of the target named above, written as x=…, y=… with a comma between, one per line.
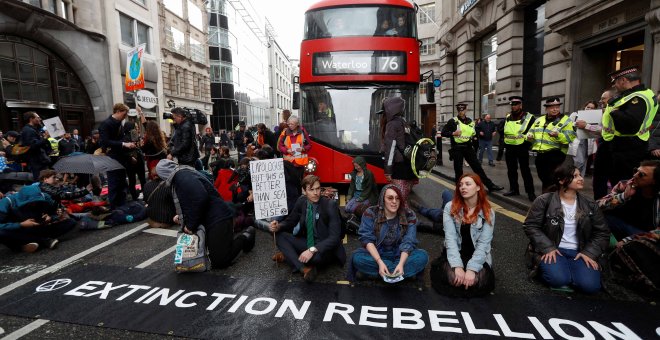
x=626, y=122
x=551, y=135
x=460, y=131
x=516, y=126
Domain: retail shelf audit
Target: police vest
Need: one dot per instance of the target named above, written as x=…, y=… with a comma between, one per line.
x=297, y=158
x=544, y=142
x=54, y=145
x=467, y=131
x=609, y=130
x=513, y=129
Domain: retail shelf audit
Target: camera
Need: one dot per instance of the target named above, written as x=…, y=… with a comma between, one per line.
x=196, y=116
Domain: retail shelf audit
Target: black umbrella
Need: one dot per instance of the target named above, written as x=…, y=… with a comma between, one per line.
x=82, y=163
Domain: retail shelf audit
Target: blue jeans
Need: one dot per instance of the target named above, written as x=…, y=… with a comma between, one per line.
x=488, y=145
x=620, y=228
x=435, y=214
x=414, y=265
x=567, y=271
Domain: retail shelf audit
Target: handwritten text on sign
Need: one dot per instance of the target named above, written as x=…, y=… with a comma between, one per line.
x=268, y=188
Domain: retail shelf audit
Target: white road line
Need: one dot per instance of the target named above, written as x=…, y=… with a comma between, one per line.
x=163, y=232
x=70, y=260
x=168, y=251
x=496, y=207
x=19, y=333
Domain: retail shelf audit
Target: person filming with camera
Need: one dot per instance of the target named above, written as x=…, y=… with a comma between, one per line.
x=183, y=145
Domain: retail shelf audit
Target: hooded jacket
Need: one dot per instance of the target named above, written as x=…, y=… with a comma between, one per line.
x=369, y=189
x=10, y=206
x=394, y=132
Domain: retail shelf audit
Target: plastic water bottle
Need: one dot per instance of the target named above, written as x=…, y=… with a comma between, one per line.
x=129, y=218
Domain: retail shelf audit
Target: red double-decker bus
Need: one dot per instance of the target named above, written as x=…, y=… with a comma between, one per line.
x=354, y=54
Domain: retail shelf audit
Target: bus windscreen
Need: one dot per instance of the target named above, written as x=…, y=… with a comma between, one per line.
x=344, y=117
x=360, y=21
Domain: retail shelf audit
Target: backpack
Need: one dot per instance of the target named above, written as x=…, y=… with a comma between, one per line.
x=419, y=150
x=635, y=263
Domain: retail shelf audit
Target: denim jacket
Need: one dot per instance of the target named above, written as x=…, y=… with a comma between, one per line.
x=407, y=243
x=482, y=235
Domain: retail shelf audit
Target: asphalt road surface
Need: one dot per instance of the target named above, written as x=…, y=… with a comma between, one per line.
x=119, y=283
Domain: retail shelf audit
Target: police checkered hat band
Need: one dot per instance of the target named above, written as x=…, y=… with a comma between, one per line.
x=620, y=73
x=552, y=102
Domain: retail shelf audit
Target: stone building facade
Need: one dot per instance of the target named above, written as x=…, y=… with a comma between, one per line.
x=184, y=54
x=493, y=49
x=281, y=89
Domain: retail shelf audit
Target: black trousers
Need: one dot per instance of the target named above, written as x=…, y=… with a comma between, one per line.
x=133, y=170
x=624, y=162
x=460, y=152
x=116, y=187
x=438, y=146
x=292, y=247
x=223, y=247
x=519, y=155
x=546, y=163
x=602, y=167
x=500, y=148
x=16, y=238
x=442, y=276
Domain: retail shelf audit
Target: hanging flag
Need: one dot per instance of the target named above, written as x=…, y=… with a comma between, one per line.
x=134, y=69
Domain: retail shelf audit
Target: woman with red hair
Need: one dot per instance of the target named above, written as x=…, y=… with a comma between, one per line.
x=464, y=268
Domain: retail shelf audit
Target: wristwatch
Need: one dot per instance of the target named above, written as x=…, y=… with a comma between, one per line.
x=313, y=250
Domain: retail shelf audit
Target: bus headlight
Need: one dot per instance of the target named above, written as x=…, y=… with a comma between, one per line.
x=311, y=166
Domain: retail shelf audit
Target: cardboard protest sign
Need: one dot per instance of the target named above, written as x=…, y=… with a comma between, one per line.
x=54, y=127
x=268, y=188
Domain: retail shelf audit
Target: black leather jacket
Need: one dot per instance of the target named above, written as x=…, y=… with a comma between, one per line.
x=544, y=226
x=183, y=144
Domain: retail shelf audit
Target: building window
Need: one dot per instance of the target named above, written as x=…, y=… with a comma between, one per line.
x=426, y=14
x=197, y=51
x=221, y=72
x=195, y=85
x=485, y=75
x=64, y=10
x=141, y=2
x=133, y=32
x=195, y=16
x=175, y=40
x=177, y=83
x=428, y=47
x=174, y=6
x=217, y=6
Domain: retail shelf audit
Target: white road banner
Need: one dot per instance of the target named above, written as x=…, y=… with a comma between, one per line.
x=268, y=188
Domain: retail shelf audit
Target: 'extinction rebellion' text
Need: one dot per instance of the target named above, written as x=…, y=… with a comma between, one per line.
x=367, y=316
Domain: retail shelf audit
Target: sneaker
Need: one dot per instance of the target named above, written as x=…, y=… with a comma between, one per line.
x=250, y=236
x=30, y=247
x=52, y=243
x=278, y=257
x=309, y=274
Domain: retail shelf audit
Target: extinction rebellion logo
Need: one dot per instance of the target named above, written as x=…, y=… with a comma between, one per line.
x=53, y=285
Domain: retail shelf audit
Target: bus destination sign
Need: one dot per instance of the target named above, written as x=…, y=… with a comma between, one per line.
x=359, y=62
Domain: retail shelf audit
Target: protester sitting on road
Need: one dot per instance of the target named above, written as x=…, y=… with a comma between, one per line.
x=319, y=241
x=632, y=206
x=362, y=192
x=197, y=203
x=465, y=266
x=568, y=234
x=29, y=219
x=434, y=214
x=388, y=234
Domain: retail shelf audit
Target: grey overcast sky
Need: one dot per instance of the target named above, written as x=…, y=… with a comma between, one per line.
x=287, y=18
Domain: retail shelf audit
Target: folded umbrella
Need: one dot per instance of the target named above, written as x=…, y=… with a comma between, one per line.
x=81, y=163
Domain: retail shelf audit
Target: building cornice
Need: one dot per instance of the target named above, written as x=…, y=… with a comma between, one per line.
x=580, y=13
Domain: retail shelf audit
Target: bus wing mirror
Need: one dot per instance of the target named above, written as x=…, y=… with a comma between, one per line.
x=430, y=92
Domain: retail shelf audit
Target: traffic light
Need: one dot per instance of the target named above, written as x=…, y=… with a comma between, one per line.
x=430, y=92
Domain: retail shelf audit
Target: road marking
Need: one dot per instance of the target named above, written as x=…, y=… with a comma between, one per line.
x=150, y=261
x=496, y=207
x=70, y=260
x=162, y=232
x=19, y=333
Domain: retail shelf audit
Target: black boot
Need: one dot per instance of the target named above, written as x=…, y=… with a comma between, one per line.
x=250, y=239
